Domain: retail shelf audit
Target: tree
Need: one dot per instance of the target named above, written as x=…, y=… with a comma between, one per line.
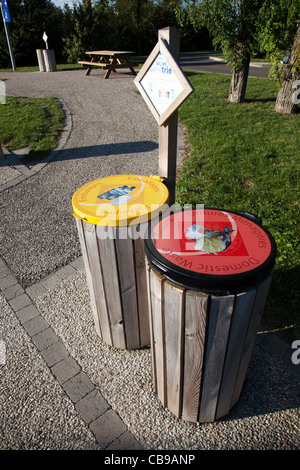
x=280, y=35
x=233, y=24
x=135, y=24
x=30, y=19
x=286, y=103
x=90, y=27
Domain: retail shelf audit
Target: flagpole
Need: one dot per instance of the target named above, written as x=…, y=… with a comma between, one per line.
x=11, y=53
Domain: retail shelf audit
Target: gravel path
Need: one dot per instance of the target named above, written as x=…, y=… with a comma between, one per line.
x=113, y=132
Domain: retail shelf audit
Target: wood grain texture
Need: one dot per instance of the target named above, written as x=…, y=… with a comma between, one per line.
x=79, y=224
x=194, y=340
x=95, y=269
x=220, y=312
x=243, y=307
x=174, y=330
x=201, y=346
x=141, y=291
x=126, y=269
x=156, y=285
x=116, y=277
x=111, y=288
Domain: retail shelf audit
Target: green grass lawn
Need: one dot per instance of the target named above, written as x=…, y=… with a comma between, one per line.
x=32, y=122
x=246, y=157
x=35, y=68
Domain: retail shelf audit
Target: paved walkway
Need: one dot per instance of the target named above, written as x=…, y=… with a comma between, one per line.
x=208, y=62
x=61, y=386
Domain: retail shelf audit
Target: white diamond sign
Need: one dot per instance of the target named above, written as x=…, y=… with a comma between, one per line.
x=162, y=83
x=45, y=37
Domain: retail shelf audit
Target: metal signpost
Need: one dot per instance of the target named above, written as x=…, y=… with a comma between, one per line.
x=7, y=19
x=165, y=87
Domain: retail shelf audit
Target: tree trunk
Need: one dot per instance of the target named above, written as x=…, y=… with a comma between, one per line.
x=238, y=83
x=286, y=102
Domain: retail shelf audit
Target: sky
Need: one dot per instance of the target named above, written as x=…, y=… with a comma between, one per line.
x=60, y=3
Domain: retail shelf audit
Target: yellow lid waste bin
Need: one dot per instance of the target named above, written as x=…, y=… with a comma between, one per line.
x=112, y=214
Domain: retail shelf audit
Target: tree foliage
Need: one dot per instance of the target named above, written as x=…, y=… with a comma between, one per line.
x=232, y=24
x=30, y=19
x=88, y=28
x=243, y=28
x=92, y=24
x=278, y=22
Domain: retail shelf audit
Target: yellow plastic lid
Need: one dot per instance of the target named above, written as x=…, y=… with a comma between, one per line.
x=119, y=200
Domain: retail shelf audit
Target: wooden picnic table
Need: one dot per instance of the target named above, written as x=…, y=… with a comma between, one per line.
x=109, y=61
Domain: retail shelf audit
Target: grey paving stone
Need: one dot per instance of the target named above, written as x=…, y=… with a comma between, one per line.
x=107, y=428
x=27, y=313
x=8, y=281
x=4, y=271
x=92, y=406
x=36, y=290
x=2, y=262
x=78, y=263
x=66, y=271
x=55, y=353
x=13, y=291
x=51, y=281
x=35, y=325
x=125, y=442
x=78, y=386
x=66, y=369
x=45, y=338
x=19, y=302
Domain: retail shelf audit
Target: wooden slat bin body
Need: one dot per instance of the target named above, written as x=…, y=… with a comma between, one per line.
x=112, y=214
x=201, y=346
x=209, y=273
x=116, y=278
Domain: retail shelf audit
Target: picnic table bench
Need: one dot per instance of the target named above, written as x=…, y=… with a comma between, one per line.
x=109, y=61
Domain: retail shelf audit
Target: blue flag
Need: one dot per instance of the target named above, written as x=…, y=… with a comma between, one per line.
x=6, y=11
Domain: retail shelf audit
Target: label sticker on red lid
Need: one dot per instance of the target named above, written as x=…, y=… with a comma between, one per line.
x=211, y=241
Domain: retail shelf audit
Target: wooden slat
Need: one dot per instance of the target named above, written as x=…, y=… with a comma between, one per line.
x=141, y=290
x=219, y=323
x=258, y=308
x=112, y=290
x=156, y=285
x=151, y=332
x=194, y=335
x=96, y=275
x=174, y=329
x=126, y=271
x=107, y=65
x=239, y=326
x=79, y=224
x=86, y=62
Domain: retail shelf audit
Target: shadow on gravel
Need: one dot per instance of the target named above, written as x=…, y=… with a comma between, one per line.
x=271, y=386
x=119, y=148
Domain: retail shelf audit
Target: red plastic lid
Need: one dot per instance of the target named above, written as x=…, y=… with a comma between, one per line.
x=211, y=248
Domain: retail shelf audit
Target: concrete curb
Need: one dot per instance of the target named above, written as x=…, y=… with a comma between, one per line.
x=24, y=171
x=105, y=423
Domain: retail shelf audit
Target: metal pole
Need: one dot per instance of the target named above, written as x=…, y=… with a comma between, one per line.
x=11, y=52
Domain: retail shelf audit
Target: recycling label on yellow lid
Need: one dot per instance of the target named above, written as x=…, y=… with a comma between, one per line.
x=120, y=200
